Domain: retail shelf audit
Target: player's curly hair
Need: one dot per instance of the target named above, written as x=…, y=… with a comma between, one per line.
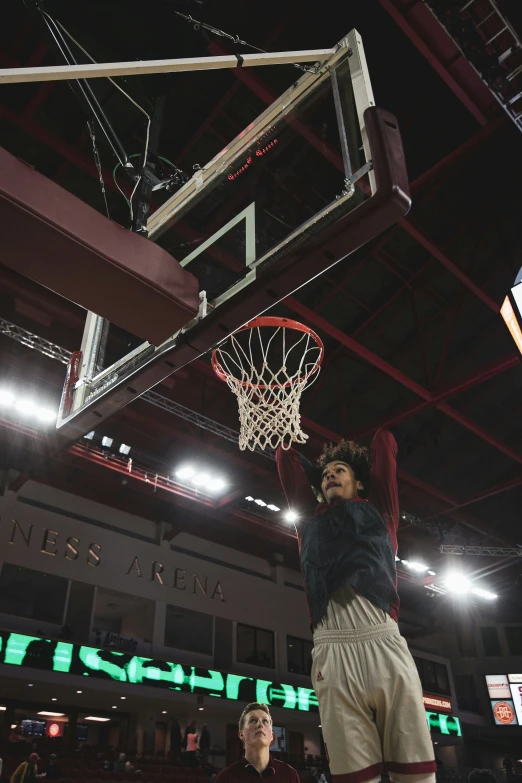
x=356, y=456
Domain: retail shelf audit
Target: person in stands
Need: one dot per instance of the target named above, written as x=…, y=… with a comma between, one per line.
x=255, y=732
x=53, y=770
x=119, y=766
x=191, y=743
x=27, y=772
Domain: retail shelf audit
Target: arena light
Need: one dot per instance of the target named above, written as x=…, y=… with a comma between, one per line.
x=6, y=397
x=26, y=407
x=260, y=502
x=95, y=718
x=185, y=472
x=484, y=593
x=2, y=708
x=107, y=442
x=291, y=516
x=52, y=714
x=273, y=508
x=46, y=415
x=216, y=485
x=415, y=565
x=249, y=498
x=200, y=479
x=432, y=573
x=89, y=436
x=124, y=449
x=457, y=583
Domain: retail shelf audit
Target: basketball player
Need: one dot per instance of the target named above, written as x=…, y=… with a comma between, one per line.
x=369, y=692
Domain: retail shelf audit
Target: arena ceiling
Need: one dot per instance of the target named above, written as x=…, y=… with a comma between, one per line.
x=411, y=323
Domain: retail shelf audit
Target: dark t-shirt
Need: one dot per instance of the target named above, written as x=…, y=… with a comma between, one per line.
x=243, y=772
x=350, y=542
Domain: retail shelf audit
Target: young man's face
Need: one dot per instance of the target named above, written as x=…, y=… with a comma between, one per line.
x=339, y=483
x=257, y=730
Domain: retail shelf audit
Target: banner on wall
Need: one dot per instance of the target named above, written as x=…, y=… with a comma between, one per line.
x=504, y=712
x=516, y=693
x=498, y=686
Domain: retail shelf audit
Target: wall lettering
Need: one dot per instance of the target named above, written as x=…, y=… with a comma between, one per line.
x=17, y=526
x=179, y=579
x=218, y=590
x=93, y=558
x=135, y=566
x=157, y=570
x=71, y=549
x=49, y=540
x=197, y=583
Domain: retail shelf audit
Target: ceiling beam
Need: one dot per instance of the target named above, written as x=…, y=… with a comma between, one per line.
x=405, y=20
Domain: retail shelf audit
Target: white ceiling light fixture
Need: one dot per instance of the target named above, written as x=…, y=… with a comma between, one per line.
x=201, y=479
x=216, y=485
x=26, y=407
x=483, y=593
x=46, y=415
x=124, y=449
x=457, y=583
x=185, y=472
x=89, y=436
x=249, y=498
x=51, y=714
x=291, y=516
x=415, y=565
x=6, y=397
x=107, y=442
x=260, y=502
x=432, y=573
x=96, y=718
x=2, y=709
x=273, y=508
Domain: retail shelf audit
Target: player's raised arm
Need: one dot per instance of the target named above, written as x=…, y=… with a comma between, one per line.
x=384, y=492
x=296, y=474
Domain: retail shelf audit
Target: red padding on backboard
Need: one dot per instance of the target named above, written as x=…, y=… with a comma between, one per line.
x=55, y=239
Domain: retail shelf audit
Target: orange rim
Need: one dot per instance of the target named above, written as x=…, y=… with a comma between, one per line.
x=269, y=320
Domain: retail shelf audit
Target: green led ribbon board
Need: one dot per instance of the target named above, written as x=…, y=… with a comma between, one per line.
x=443, y=723
x=57, y=656
x=34, y=652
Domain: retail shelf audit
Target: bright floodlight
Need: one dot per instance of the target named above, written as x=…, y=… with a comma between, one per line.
x=46, y=415
x=185, y=472
x=107, y=442
x=201, y=479
x=414, y=565
x=291, y=516
x=26, y=407
x=272, y=507
x=6, y=397
x=260, y=502
x=432, y=573
x=484, y=593
x=124, y=449
x=216, y=485
x=249, y=497
x=89, y=436
x=457, y=583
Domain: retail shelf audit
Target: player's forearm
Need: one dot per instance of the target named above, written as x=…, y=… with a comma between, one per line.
x=293, y=468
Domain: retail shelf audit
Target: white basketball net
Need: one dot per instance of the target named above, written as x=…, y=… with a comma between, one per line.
x=269, y=399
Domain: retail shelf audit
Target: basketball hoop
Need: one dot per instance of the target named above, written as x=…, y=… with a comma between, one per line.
x=268, y=363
